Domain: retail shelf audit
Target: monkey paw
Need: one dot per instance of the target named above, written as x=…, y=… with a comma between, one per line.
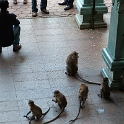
x=82, y=106
x=25, y=116
x=99, y=95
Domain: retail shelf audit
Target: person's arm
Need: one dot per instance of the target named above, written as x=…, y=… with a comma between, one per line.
x=15, y=20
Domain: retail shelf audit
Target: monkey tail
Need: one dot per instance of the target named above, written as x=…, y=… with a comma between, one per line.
x=71, y=121
x=55, y=117
x=27, y=115
x=46, y=112
x=85, y=81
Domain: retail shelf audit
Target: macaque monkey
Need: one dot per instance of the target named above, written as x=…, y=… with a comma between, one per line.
x=36, y=111
x=105, y=93
x=105, y=90
x=82, y=94
x=62, y=103
x=72, y=64
x=72, y=67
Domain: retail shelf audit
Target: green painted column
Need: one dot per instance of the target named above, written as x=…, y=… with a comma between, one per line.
x=113, y=54
x=84, y=16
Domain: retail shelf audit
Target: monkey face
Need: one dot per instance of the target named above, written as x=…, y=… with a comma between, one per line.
x=82, y=85
x=56, y=92
x=105, y=79
x=75, y=54
x=55, y=95
x=105, y=83
x=30, y=102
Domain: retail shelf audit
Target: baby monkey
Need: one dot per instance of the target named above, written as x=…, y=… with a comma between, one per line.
x=62, y=103
x=72, y=67
x=36, y=111
x=105, y=90
x=82, y=95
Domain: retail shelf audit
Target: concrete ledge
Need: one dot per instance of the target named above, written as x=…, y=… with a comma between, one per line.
x=114, y=65
x=87, y=25
x=84, y=16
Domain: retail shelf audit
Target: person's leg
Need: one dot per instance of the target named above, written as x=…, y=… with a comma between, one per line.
x=70, y=2
x=69, y=5
x=34, y=8
x=63, y=3
x=43, y=6
x=16, y=45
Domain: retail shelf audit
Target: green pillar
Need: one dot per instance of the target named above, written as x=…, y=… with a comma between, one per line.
x=84, y=16
x=113, y=54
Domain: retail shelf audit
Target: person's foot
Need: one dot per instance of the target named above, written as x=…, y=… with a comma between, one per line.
x=68, y=7
x=14, y=1
x=17, y=48
x=34, y=14
x=45, y=11
x=25, y=2
x=62, y=3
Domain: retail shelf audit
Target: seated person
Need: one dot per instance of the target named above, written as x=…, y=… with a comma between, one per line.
x=9, y=28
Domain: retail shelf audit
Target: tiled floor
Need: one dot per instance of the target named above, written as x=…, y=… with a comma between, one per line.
x=38, y=69
x=24, y=10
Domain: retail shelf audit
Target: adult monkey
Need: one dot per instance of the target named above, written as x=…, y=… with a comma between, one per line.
x=82, y=95
x=105, y=93
x=104, y=89
x=62, y=103
x=72, y=67
x=36, y=111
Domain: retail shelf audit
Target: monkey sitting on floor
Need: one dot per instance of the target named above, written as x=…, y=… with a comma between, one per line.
x=36, y=111
x=62, y=103
x=105, y=93
x=82, y=94
x=72, y=64
x=104, y=89
x=72, y=67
